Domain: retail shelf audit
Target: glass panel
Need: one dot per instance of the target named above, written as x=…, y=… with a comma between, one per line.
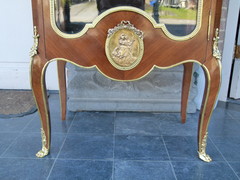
x=179, y=16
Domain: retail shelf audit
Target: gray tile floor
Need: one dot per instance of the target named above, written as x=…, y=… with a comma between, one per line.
x=121, y=146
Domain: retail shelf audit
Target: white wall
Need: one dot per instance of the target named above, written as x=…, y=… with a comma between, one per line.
x=15, y=43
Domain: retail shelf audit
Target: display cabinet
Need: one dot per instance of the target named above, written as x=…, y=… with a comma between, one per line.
x=125, y=40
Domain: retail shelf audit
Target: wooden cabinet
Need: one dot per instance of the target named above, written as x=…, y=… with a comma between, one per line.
x=125, y=43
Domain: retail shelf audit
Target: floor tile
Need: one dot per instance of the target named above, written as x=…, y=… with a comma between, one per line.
x=5, y=140
x=235, y=113
x=93, y=122
x=15, y=124
x=234, y=106
x=137, y=124
x=172, y=126
x=219, y=114
x=140, y=148
x=57, y=124
x=55, y=106
x=236, y=167
x=142, y=170
x=228, y=146
x=24, y=169
x=233, y=110
x=79, y=169
x=27, y=145
x=54, y=95
x=54, y=103
x=184, y=148
x=191, y=117
x=82, y=146
x=225, y=127
x=203, y=171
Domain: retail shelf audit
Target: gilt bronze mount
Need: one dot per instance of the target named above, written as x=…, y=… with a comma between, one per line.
x=124, y=46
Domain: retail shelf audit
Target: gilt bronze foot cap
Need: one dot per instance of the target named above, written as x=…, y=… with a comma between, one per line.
x=42, y=153
x=205, y=157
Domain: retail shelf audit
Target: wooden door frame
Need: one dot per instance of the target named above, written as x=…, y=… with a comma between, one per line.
x=229, y=43
x=235, y=83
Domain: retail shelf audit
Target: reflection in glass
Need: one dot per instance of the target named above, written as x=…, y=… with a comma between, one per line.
x=179, y=16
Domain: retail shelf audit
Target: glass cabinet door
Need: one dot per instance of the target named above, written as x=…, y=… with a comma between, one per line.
x=179, y=16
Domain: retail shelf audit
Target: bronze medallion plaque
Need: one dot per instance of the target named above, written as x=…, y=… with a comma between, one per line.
x=124, y=46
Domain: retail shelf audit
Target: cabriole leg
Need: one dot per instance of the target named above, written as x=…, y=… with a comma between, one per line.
x=186, y=84
x=62, y=86
x=212, y=70
x=39, y=91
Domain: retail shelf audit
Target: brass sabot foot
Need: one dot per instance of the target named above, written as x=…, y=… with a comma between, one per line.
x=205, y=157
x=42, y=153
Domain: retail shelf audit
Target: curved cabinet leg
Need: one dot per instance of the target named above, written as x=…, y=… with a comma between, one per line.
x=39, y=91
x=186, y=84
x=62, y=86
x=212, y=70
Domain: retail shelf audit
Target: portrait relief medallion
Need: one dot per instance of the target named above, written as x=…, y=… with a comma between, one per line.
x=124, y=46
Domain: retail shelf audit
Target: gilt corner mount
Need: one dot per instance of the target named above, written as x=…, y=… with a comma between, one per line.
x=34, y=49
x=216, y=52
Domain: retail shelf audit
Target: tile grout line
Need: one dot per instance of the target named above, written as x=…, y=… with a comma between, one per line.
x=35, y=116
x=1, y=156
x=50, y=172
x=224, y=158
x=169, y=157
x=19, y=134
x=25, y=158
x=113, y=166
x=230, y=115
x=109, y=159
x=74, y=117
